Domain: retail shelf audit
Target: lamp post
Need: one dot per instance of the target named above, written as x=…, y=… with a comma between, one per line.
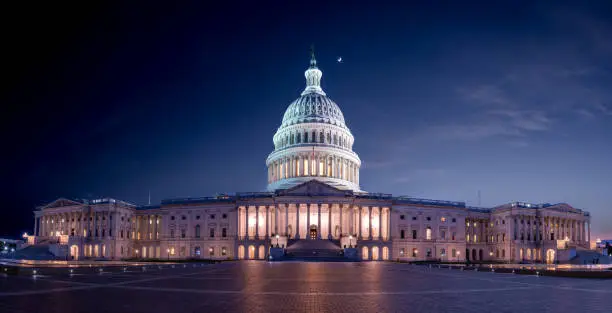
x=277, y=236
x=350, y=241
x=168, y=253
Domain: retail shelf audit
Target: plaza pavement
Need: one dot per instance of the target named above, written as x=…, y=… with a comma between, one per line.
x=256, y=286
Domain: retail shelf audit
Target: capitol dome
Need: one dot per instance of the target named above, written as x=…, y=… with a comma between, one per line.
x=313, y=142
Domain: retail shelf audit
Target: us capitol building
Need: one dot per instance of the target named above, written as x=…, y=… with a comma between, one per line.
x=313, y=197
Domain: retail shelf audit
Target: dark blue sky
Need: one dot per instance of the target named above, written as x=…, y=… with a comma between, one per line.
x=444, y=99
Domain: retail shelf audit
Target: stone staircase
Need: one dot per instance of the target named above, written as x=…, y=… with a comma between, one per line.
x=584, y=256
x=35, y=252
x=315, y=251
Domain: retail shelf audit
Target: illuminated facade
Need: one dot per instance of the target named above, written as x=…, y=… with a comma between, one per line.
x=314, y=195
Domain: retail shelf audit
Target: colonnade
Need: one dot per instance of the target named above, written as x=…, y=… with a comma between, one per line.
x=315, y=220
x=538, y=228
x=309, y=164
x=146, y=227
x=75, y=224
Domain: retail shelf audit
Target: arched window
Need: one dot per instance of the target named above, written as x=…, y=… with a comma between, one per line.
x=335, y=139
x=306, y=137
x=299, y=138
x=364, y=253
x=291, y=140
x=385, y=253
x=251, y=252
x=321, y=138
x=197, y=231
x=428, y=233
x=375, y=255
x=328, y=138
x=314, y=138
x=241, y=252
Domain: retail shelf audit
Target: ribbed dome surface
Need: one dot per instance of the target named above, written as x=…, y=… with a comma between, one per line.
x=313, y=108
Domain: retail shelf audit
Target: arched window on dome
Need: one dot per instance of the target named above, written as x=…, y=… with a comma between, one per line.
x=321, y=137
x=291, y=140
x=314, y=136
x=306, y=137
x=299, y=138
x=335, y=139
x=328, y=138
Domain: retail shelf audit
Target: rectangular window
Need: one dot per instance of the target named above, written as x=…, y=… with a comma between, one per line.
x=172, y=233
x=414, y=252
x=443, y=235
x=223, y=250
x=454, y=253
x=212, y=233
x=414, y=234
x=429, y=252
x=402, y=252
x=402, y=234
x=454, y=234
x=183, y=233
x=211, y=251
x=224, y=233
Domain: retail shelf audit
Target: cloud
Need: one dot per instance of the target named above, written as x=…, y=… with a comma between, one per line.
x=377, y=164
x=525, y=120
x=602, y=108
x=421, y=174
x=486, y=95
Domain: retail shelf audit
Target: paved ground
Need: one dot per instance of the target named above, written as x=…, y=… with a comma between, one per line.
x=253, y=286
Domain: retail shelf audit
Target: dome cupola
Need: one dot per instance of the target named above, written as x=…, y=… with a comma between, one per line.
x=313, y=141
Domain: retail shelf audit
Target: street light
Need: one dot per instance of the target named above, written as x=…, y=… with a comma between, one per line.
x=277, y=236
x=350, y=241
x=168, y=253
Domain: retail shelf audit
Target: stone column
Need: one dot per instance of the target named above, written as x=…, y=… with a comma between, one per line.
x=341, y=208
x=319, y=230
x=256, y=222
x=276, y=219
x=380, y=223
x=267, y=221
x=359, y=221
x=246, y=225
x=589, y=234
x=297, y=217
x=369, y=222
x=388, y=223
x=286, y=219
x=308, y=220
x=329, y=221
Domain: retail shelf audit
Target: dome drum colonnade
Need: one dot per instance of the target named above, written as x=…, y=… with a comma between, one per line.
x=313, y=142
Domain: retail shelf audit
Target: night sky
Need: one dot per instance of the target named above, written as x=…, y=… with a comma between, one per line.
x=444, y=99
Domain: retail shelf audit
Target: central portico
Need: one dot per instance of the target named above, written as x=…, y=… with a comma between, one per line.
x=299, y=213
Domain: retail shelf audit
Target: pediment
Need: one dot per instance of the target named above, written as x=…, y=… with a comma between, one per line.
x=314, y=188
x=61, y=202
